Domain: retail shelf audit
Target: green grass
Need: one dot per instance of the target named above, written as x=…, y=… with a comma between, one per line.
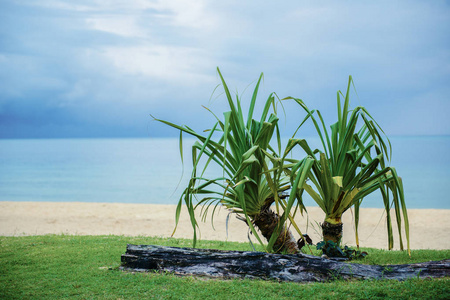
x=87, y=267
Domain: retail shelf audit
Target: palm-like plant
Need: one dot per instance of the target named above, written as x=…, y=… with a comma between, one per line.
x=351, y=165
x=253, y=177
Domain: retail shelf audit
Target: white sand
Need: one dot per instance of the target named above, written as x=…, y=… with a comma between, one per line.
x=429, y=228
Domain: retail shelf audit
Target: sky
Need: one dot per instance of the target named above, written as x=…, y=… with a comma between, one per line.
x=76, y=69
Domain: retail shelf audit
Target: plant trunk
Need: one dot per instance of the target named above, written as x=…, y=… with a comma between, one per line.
x=332, y=230
x=267, y=222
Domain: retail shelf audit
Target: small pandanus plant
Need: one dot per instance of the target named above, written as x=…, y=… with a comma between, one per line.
x=352, y=164
x=253, y=176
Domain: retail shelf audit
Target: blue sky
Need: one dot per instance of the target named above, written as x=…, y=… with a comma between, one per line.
x=99, y=68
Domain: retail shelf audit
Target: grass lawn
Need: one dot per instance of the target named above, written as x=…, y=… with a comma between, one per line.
x=87, y=267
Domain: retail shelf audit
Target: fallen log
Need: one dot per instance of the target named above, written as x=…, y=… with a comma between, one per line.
x=295, y=268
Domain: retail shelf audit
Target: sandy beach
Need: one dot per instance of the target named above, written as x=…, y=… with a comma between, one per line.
x=429, y=228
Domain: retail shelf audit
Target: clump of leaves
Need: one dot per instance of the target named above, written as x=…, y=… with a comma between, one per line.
x=248, y=149
x=331, y=249
x=352, y=163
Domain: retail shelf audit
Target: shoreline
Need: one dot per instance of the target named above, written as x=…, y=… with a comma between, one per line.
x=428, y=227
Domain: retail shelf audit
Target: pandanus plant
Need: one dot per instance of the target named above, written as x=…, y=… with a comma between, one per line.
x=252, y=176
x=352, y=164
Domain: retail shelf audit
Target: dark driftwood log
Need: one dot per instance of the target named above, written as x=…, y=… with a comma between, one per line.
x=297, y=268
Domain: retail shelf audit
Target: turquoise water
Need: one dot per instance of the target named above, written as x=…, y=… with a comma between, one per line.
x=149, y=170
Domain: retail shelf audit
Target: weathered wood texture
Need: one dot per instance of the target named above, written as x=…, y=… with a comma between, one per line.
x=296, y=268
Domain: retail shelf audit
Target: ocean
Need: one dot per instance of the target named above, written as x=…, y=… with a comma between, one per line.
x=149, y=170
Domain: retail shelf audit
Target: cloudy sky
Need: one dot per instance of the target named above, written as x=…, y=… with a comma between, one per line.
x=99, y=68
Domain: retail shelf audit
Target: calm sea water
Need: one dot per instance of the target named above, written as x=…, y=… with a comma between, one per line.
x=149, y=170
